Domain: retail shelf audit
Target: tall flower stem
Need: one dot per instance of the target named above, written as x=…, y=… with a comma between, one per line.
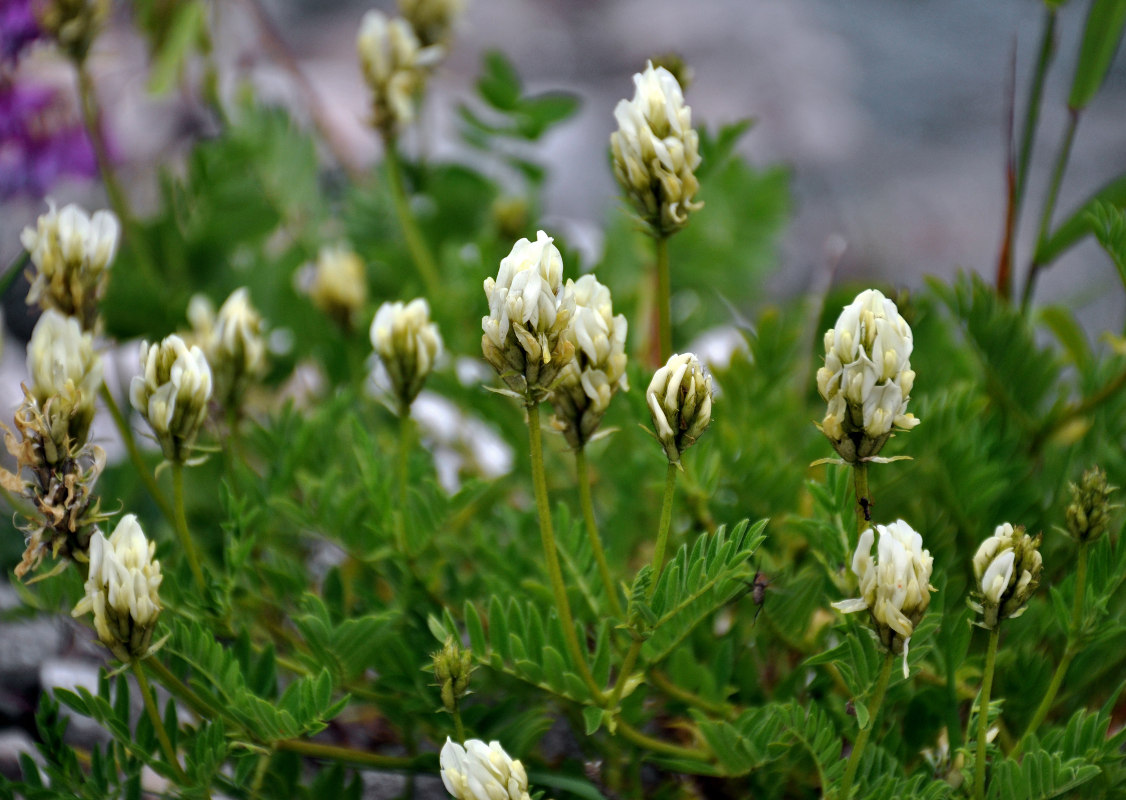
x=665, y=524
x=130, y=442
x=182, y=531
x=983, y=712
x=866, y=733
x=664, y=298
x=402, y=479
x=158, y=724
x=1069, y=652
x=863, y=496
x=592, y=532
x=551, y=557
x=420, y=253
x=459, y=728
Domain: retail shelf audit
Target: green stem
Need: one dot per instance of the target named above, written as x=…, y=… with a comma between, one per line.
x=624, y=673
x=592, y=532
x=402, y=475
x=158, y=724
x=182, y=531
x=1050, y=205
x=863, y=496
x=260, y=774
x=658, y=746
x=1035, y=96
x=547, y=535
x=665, y=524
x=420, y=253
x=983, y=711
x=359, y=758
x=1069, y=652
x=202, y=708
x=459, y=728
x=664, y=298
x=135, y=456
x=665, y=684
x=1080, y=409
x=865, y=733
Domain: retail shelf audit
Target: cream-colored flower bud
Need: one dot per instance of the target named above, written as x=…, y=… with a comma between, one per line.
x=656, y=151
x=338, y=285
x=231, y=341
x=895, y=588
x=482, y=771
x=680, y=400
x=74, y=24
x=172, y=393
x=65, y=375
x=72, y=252
x=1007, y=567
x=394, y=65
x=867, y=377
x=598, y=371
x=407, y=344
x=121, y=589
x=1088, y=513
x=529, y=311
x=432, y=20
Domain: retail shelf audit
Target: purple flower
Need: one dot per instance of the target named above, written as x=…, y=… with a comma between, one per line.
x=39, y=140
x=18, y=29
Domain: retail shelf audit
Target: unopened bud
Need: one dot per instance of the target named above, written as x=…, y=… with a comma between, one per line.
x=453, y=665
x=393, y=63
x=1007, y=567
x=432, y=20
x=1088, y=513
x=337, y=284
x=407, y=344
x=74, y=24
x=231, y=341
x=680, y=401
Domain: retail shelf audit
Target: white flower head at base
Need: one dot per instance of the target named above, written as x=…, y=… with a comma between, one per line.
x=895, y=588
x=482, y=771
x=72, y=252
x=598, y=371
x=121, y=589
x=231, y=341
x=680, y=401
x=656, y=151
x=1007, y=568
x=407, y=344
x=172, y=393
x=529, y=312
x=65, y=375
x=867, y=377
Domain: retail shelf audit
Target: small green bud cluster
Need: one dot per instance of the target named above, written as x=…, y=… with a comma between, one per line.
x=121, y=589
x=453, y=665
x=680, y=401
x=1007, y=568
x=433, y=20
x=1088, y=513
x=74, y=24
x=656, y=151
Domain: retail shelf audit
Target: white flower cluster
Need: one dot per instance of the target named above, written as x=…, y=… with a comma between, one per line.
x=65, y=375
x=407, y=344
x=231, y=341
x=680, y=401
x=393, y=63
x=867, y=376
x=656, y=151
x=72, y=252
x=529, y=312
x=336, y=283
x=895, y=588
x=172, y=393
x=121, y=589
x=598, y=370
x=1007, y=567
x=482, y=771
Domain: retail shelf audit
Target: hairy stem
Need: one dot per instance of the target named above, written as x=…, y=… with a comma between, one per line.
x=665, y=524
x=865, y=733
x=863, y=497
x=130, y=442
x=158, y=724
x=664, y=299
x=182, y=531
x=420, y=253
x=592, y=532
x=551, y=557
x=1069, y=652
x=983, y=711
